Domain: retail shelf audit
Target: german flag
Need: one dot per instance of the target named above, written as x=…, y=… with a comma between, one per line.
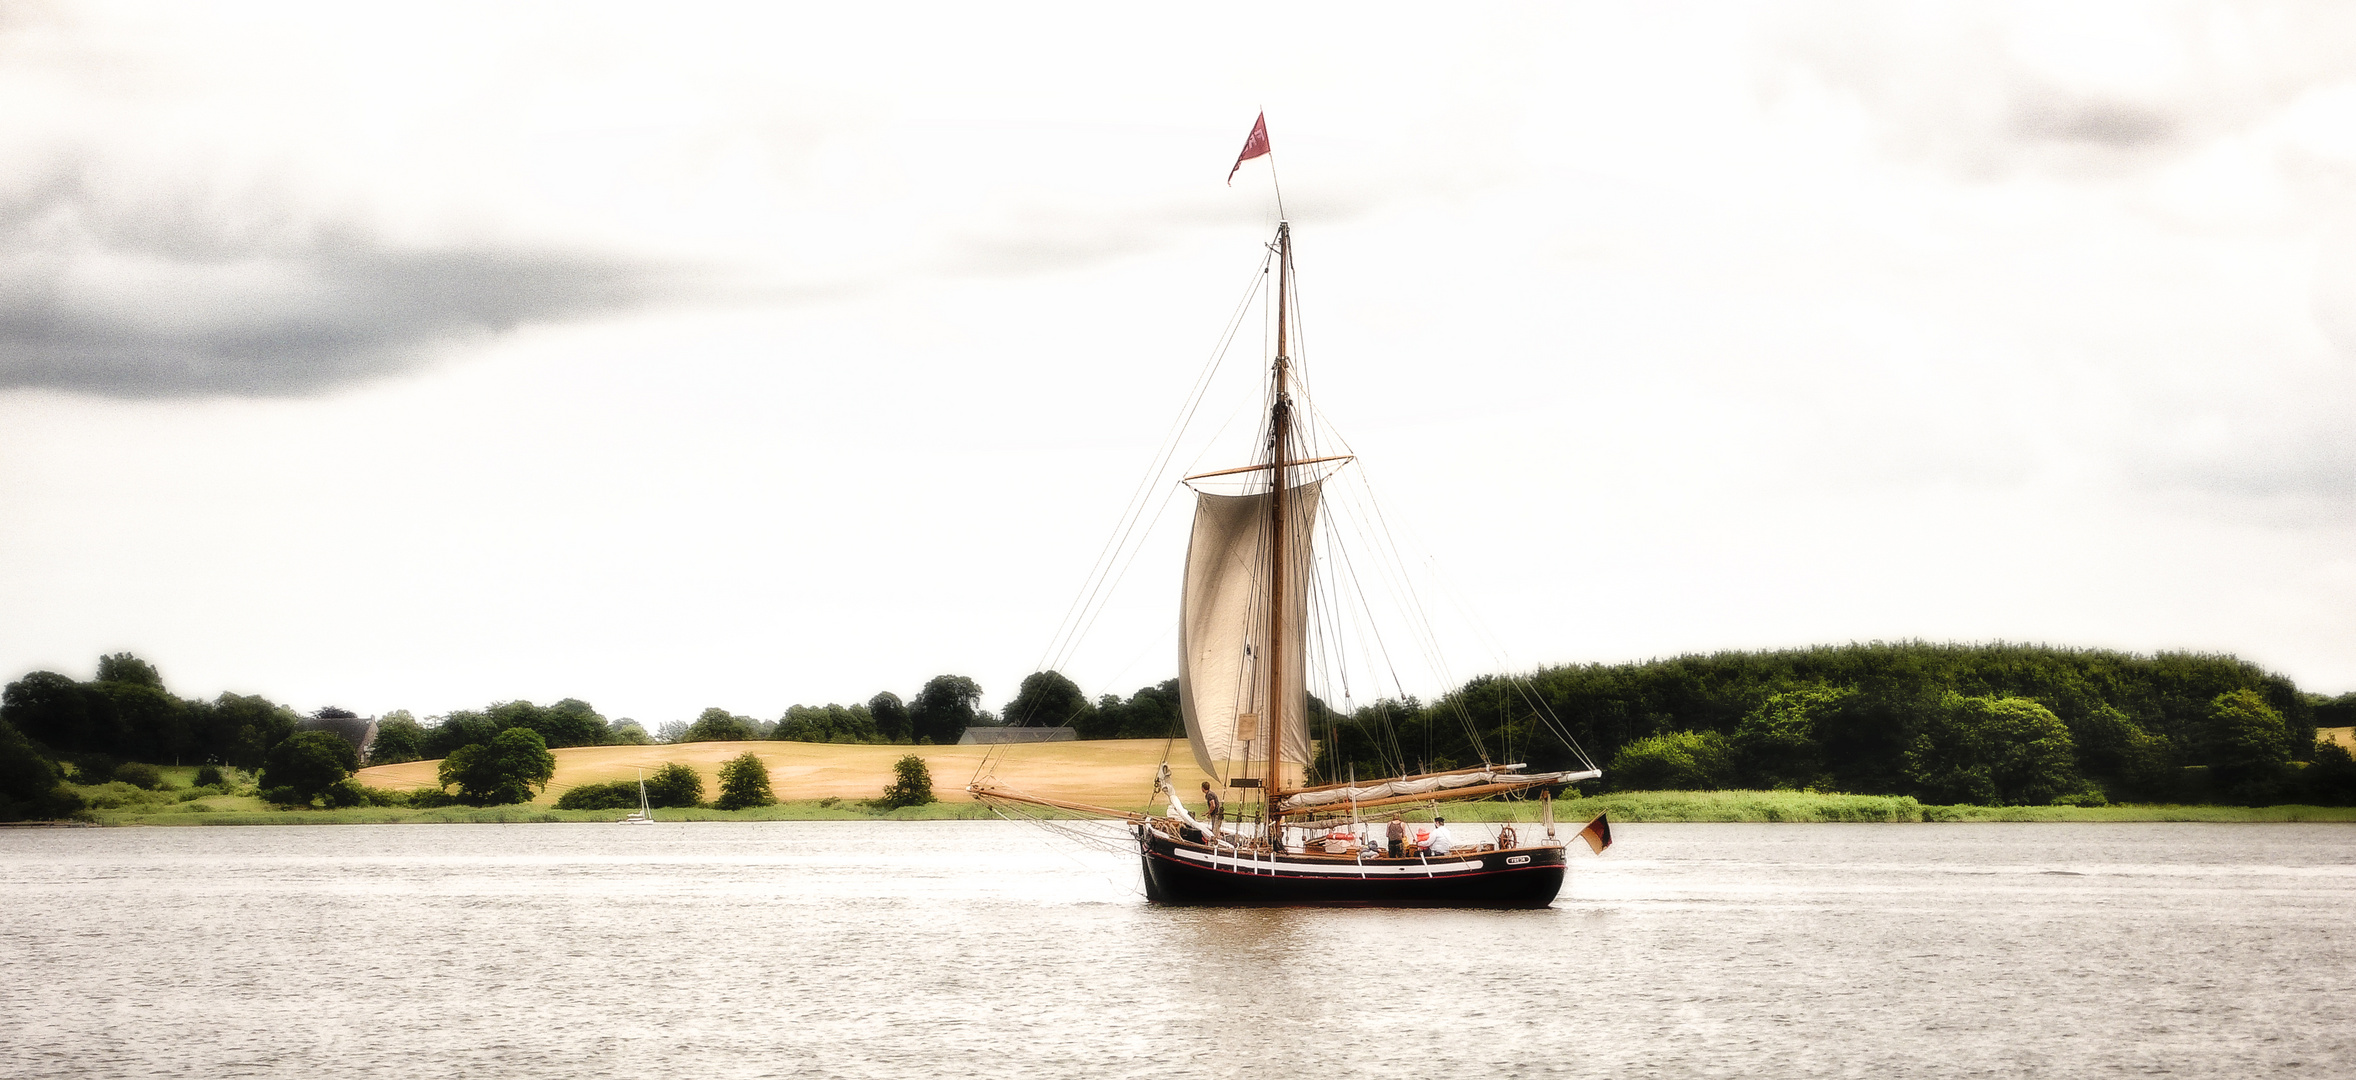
x=1598, y=833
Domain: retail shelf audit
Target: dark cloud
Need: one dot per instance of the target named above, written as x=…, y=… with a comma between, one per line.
x=2114, y=125
x=184, y=295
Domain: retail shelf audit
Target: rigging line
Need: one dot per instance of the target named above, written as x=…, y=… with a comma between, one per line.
x=1543, y=712
x=1381, y=645
x=1272, y=179
x=1168, y=449
x=1422, y=617
x=1113, y=587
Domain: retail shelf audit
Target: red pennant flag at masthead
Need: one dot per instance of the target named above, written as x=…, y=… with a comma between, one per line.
x=1254, y=145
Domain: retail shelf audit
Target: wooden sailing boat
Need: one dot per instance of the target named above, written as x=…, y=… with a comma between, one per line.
x=1243, y=693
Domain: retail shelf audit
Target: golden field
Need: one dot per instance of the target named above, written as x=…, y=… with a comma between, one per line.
x=1107, y=772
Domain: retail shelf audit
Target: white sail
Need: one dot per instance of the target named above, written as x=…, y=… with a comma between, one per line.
x=1223, y=688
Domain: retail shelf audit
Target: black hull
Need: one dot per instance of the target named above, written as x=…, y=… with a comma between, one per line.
x=1179, y=873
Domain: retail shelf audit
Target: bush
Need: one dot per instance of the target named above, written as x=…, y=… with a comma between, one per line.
x=139, y=774
x=912, y=784
x=611, y=795
x=93, y=768
x=116, y=795
x=675, y=785
x=29, y=786
x=744, y=782
x=286, y=797
x=208, y=776
x=1677, y=761
x=2330, y=779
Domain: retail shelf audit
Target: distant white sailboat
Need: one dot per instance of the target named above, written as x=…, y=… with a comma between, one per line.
x=644, y=814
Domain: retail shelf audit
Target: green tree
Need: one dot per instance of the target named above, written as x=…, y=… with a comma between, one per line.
x=505, y=770
x=1776, y=744
x=744, y=782
x=828, y=724
x=891, y=717
x=675, y=785
x=399, y=738
x=1992, y=750
x=239, y=729
x=570, y=722
x=1674, y=761
x=462, y=727
x=126, y=668
x=944, y=708
x=30, y=787
x=306, y=765
x=1048, y=699
x=912, y=784
x=2330, y=776
x=719, y=725
x=2248, y=745
x=146, y=723
x=52, y=710
x=627, y=732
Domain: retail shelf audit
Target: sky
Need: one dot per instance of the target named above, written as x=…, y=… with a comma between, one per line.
x=423, y=356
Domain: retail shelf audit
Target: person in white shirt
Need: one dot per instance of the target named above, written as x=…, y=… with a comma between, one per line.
x=1440, y=843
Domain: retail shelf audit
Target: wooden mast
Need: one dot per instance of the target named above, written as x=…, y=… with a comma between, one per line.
x=1279, y=436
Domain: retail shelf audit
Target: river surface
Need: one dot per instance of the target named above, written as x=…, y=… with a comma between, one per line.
x=995, y=949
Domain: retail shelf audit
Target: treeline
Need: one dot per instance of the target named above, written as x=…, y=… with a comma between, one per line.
x=1942, y=723
x=938, y=715
x=1048, y=699
x=126, y=714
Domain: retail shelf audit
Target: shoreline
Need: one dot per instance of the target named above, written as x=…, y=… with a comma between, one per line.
x=1637, y=807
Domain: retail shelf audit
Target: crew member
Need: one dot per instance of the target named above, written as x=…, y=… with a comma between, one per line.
x=1213, y=809
x=1439, y=842
x=1398, y=837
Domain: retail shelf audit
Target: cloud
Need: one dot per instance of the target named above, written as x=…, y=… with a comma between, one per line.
x=1988, y=91
x=181, y=294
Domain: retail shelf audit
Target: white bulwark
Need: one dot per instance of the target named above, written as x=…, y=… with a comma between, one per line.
x=992, y=736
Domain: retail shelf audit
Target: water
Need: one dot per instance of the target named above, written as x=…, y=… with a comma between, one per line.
x=988, y=949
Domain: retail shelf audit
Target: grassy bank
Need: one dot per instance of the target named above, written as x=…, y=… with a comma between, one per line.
x=234, y=810
x=827, y=782
x=1625, y=807
x=1803, y=806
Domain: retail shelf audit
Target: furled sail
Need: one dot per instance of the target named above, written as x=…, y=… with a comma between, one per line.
x=1434, y=785
x=1223, y=625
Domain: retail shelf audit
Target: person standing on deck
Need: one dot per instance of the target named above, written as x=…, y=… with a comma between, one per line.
x=1213, y=809
x=1398, y=837
x=1440, y=843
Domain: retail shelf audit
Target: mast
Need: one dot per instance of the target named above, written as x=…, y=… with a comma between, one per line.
x=1279, y=435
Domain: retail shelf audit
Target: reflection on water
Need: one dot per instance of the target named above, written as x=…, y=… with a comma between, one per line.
x=994, y=949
